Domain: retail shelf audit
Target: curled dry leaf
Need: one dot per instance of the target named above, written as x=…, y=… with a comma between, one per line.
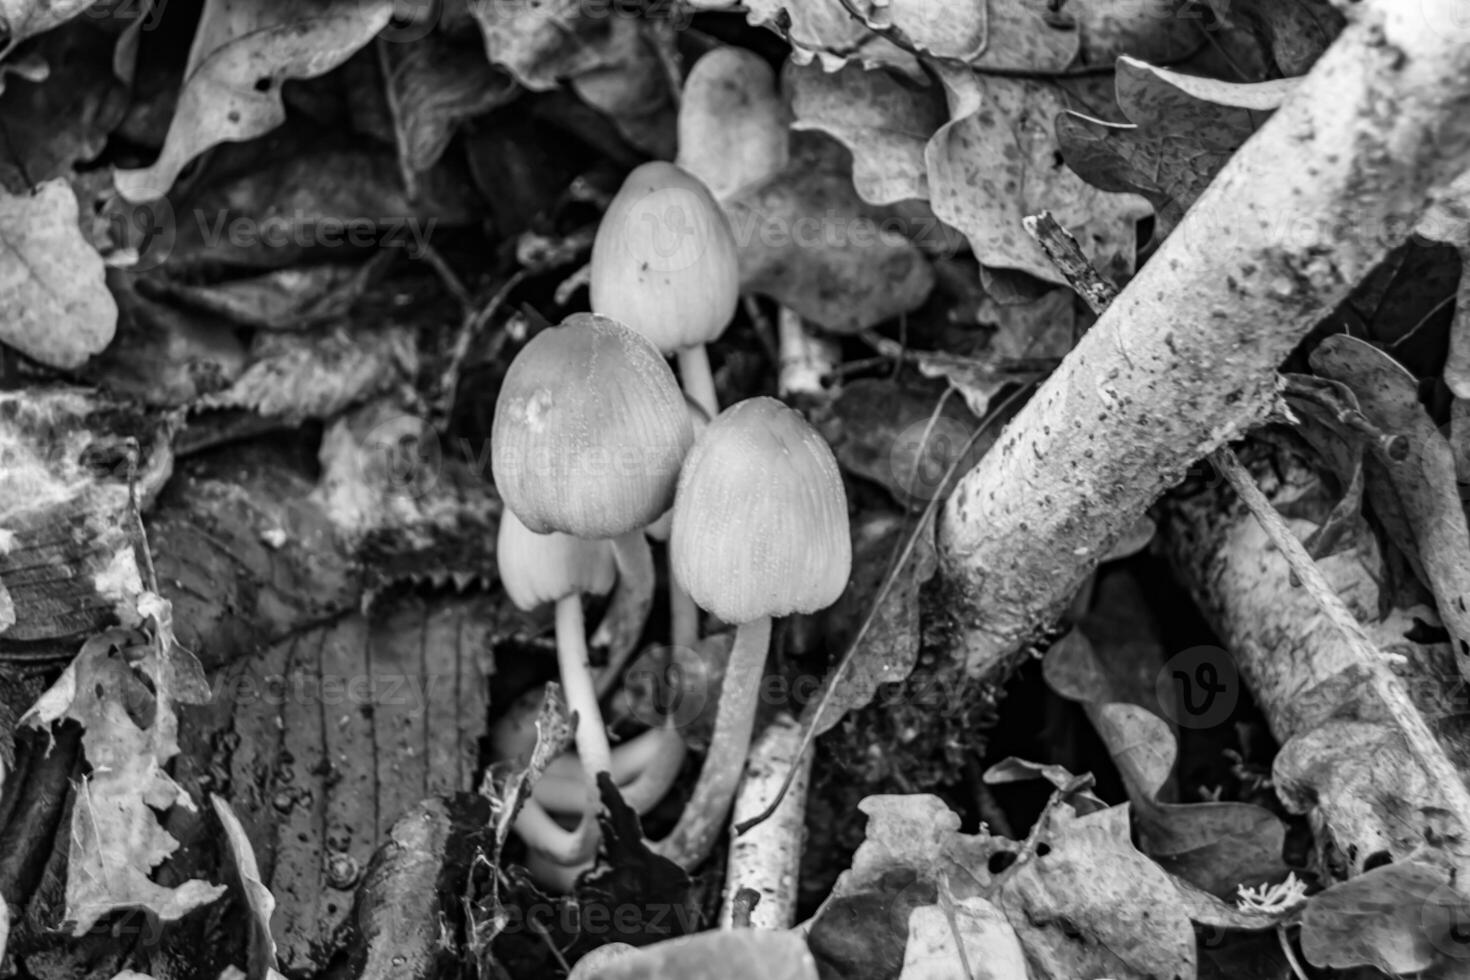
x=883, y=119
x=123, y=688
x=998, y=160
x=317, y=376
x=54, y=303
x=1424, y=483
x=1183, y=130
x=437, y=84
x=232, y=83
x=259, y=901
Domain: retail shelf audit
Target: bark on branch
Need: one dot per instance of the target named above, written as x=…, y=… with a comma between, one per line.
x=1184, y=359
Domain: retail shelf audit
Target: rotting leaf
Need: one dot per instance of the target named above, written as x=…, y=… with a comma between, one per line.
x=1424, y=483
x=122, y=688
x=437, y=84
x=998, y=161
x=232, y=83
x=1390, y=918
x=20, y=19
x=54, y=303
x=66, y=520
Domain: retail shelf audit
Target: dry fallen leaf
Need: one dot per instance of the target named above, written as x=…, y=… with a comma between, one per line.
x=232, y=84
x=998, y=161
x=122, y=688
x=883, y=119
x=54, y=303
x=972, y=938
x=259, y=901
x=808, y=241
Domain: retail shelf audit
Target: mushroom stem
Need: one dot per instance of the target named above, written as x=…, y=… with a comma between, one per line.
x=627, y=614
x=645, y=777
x=698, y=380
x=543, y=835
x=576, y=682
x=683, y=617
x=704, y=816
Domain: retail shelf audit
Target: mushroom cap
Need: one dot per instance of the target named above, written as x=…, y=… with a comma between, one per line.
x=659, y=529
x=590, y=430
x=539, y=568
x=664, y=260
x=760, y=518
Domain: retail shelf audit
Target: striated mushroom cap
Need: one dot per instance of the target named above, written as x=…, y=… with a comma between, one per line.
x=760, y=518
x=590, y=430
x=664, y=260
x=540, y=568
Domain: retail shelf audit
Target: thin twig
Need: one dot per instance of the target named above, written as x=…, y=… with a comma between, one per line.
x=469, y=331
x=1064, y=252
x=395, y=111
x=1401, y=711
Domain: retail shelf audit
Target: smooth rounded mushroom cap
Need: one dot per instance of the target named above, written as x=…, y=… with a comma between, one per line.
x=539, y=568
x=733, y=125
x=659, y=529
x=590, y=430
x=664, y=260
x=760, y=518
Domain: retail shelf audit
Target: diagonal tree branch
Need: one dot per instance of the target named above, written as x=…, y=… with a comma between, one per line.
x=1185, y=358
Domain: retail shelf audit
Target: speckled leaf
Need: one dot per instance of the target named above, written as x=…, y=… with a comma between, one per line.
x=998, y=161
x=808, y=241
x=243, y=51
x=54, y=303
x=1183, y=131
x=1389, y=918
x=1093, y=906
x=883, y=119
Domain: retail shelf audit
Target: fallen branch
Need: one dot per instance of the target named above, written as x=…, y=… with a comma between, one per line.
x=1352, y=724
x=1184, y=360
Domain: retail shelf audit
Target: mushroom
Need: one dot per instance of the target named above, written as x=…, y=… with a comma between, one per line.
x=643, y=768
x=536, y=569
x=760, y=530
x=664, y=262
x=589, y=433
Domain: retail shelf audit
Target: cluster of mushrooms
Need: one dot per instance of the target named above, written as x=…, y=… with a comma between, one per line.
x=593, y=444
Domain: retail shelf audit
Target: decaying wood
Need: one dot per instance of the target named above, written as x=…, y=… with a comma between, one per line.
x=1184, y=360
x=767, y=858
x=1345, y=757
